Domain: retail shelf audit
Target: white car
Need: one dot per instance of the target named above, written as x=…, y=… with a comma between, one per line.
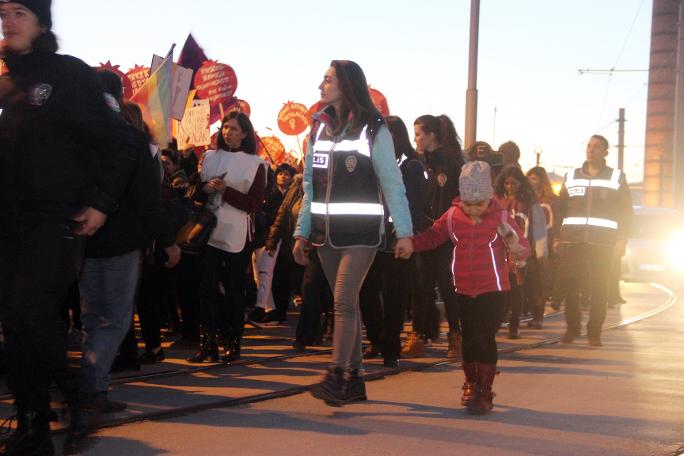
x=655, y=248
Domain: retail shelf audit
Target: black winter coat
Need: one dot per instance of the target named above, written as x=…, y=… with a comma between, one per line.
x=62, y=148
x=139, y=218
x=444, y=169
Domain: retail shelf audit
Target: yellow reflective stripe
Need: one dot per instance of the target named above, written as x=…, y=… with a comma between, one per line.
x=591, y=221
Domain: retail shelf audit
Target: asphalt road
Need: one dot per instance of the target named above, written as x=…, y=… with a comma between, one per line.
x=626, y=398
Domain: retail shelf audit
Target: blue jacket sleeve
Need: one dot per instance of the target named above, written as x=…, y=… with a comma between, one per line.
x=303, y=228
x=388, y=174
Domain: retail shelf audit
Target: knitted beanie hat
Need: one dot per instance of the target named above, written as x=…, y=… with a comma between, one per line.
x=40, y=8
x=475, y=182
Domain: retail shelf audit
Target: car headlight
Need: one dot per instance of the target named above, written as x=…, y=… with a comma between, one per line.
x=675, y=251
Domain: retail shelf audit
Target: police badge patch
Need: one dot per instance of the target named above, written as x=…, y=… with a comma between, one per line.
x=441, y=179
x=351, y=162
x=39, y=94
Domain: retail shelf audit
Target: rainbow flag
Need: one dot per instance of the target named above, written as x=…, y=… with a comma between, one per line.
x=155, y=98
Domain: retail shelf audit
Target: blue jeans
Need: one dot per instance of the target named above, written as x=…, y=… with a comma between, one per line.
x=108, y=287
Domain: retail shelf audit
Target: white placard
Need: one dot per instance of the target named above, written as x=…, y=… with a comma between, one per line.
x=194, y=128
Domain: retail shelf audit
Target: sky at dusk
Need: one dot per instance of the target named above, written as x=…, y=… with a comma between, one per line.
x=416, y=53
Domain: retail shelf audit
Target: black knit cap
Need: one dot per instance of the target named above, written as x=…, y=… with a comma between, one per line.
x=40, y=8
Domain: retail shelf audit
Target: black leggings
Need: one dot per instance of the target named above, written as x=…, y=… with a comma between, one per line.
x=480, y=318
x=229, y=269
x=434, y=267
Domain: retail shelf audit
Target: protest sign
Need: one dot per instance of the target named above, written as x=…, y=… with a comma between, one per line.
x=292, y=118
x=138, y=76
x=216, y=82
x=271, y=149
x=193, y=130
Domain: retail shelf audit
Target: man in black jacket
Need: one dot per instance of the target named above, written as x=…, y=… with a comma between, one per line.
x=64, y=165
x=111, y=270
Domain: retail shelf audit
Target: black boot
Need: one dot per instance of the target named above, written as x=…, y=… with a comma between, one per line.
x=208, y=350
x=355, y=387
x=32, y=436
x=232, y=350
x=331, y=389
x=82, y=421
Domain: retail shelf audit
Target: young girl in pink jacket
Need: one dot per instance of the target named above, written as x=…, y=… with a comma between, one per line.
x=485, y=239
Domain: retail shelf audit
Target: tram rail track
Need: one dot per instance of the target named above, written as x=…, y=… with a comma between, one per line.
x=207, y=367
x=299, y=389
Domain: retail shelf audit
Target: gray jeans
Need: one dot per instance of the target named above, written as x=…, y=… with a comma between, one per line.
x=346, y=270
x=108, y=287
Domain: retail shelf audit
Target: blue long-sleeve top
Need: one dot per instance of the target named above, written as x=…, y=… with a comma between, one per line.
x=388, y=175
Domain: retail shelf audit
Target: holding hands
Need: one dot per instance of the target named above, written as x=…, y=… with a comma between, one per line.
x=403, y=248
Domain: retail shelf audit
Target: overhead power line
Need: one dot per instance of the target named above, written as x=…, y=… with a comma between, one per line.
x=609, y=72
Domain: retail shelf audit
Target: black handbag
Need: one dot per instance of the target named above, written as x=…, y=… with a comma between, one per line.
x=194, y=234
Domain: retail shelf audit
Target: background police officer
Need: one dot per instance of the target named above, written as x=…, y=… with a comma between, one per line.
x=595, y=215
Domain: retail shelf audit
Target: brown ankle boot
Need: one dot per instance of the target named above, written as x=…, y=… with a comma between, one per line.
x=482, y=401
x=470, y=384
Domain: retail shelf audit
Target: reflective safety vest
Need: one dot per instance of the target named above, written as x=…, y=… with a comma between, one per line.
x=346, y=205
x=592, y=210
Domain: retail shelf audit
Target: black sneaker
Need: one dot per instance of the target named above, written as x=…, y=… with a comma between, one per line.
x=391, y=363
x=258, y=315
x=101, y=403
x=151, y=356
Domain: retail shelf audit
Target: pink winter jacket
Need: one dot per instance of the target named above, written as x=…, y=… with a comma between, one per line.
x=479, y=261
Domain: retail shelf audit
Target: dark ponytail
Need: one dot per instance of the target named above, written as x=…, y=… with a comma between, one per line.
x=448, y=137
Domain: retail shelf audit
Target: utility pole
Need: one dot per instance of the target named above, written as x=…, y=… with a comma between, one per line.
x=661, y=180
x=621, y=139
x=471, y=93
x=538, y=153
x=494, y=134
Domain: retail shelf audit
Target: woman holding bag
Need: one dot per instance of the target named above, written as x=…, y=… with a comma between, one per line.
x=234, y=179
